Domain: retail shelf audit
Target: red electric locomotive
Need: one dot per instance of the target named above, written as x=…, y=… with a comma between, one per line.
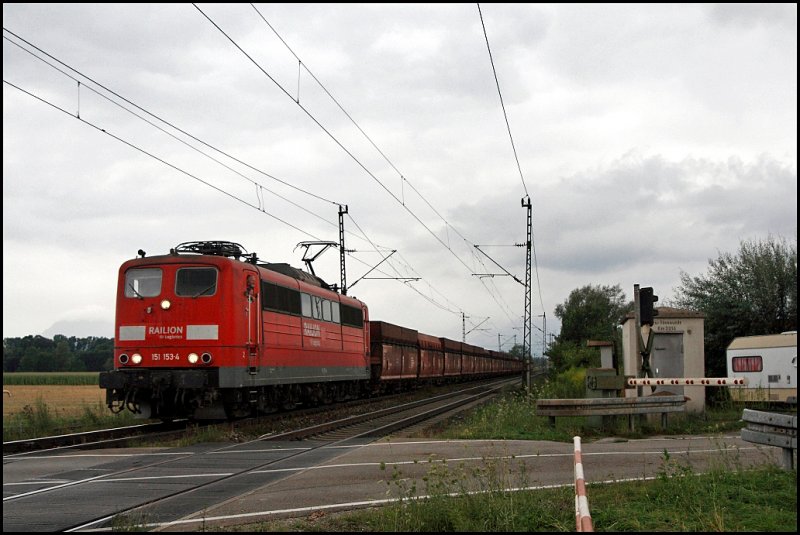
x=210, y=332
x=207, y=331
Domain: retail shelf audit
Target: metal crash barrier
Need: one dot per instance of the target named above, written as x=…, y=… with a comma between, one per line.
x=772, y=429
x=610, y=407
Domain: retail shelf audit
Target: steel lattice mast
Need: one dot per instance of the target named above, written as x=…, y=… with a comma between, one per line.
x=342, y=269
x=526, y=329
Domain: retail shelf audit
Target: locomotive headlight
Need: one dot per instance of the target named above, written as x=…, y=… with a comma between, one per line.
x=123, y=359
x=193, y=358
x=165, y=304
x=206, y=358
x=136, y=358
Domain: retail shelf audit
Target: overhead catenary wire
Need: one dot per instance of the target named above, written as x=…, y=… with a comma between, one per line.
x=427, y=298
x=159, y=159
x=336, y=140
x=502, y=103
x=259, y=188
x=458, y=310
x=536, y=270
x=168, y=123
x=513, y=145
x=452, y=308
x=404, y=180
x=503, y=306
x=217, y=188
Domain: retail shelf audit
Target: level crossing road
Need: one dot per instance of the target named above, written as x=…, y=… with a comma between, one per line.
x=56, y=492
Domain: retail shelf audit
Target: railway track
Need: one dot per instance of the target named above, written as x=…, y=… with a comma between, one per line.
x=385, y=421
x=186, y=480
x=166, y=431
x=102, y=438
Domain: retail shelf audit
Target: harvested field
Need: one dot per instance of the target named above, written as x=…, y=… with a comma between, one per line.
x=63, y=400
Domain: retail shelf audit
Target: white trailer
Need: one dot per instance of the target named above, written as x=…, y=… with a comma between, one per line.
x=769, y=363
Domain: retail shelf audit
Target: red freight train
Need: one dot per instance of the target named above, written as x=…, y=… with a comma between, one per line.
x=208, y=332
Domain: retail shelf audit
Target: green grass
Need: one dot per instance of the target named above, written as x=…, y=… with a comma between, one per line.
x=764, y=499
x=513, y=417
x=725, y=499
x=39, y=420
x=51, y=378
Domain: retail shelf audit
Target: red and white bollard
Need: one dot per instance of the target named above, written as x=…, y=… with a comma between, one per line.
x=583, y=520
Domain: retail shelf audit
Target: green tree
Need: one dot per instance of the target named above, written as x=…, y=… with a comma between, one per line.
x=13, y=350
x=75, y=364
x=37, y=353
x=60, y=358
x=568, y=354
x=589, y=313
x=750, y=293
x=34, y=360
x=35, y=348
x=516, y=351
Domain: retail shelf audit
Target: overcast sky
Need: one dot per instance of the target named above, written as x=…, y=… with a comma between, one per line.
x=650, y=139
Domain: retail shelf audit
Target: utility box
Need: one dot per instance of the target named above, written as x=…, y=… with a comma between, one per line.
x=605, y=381
x=602, y=383
x=677, y=352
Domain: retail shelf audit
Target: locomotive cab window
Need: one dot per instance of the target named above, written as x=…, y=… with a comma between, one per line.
x=145, y=282
x=196, y=282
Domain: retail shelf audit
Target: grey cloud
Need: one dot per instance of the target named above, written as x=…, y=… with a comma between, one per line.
x=753, y=15
x=645, y=209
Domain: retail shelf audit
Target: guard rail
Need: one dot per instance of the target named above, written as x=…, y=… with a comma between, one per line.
x=772, y=429
x=611, y=406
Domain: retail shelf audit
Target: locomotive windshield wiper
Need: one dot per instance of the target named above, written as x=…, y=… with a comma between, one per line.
x=130, y=285
x=195, y=296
